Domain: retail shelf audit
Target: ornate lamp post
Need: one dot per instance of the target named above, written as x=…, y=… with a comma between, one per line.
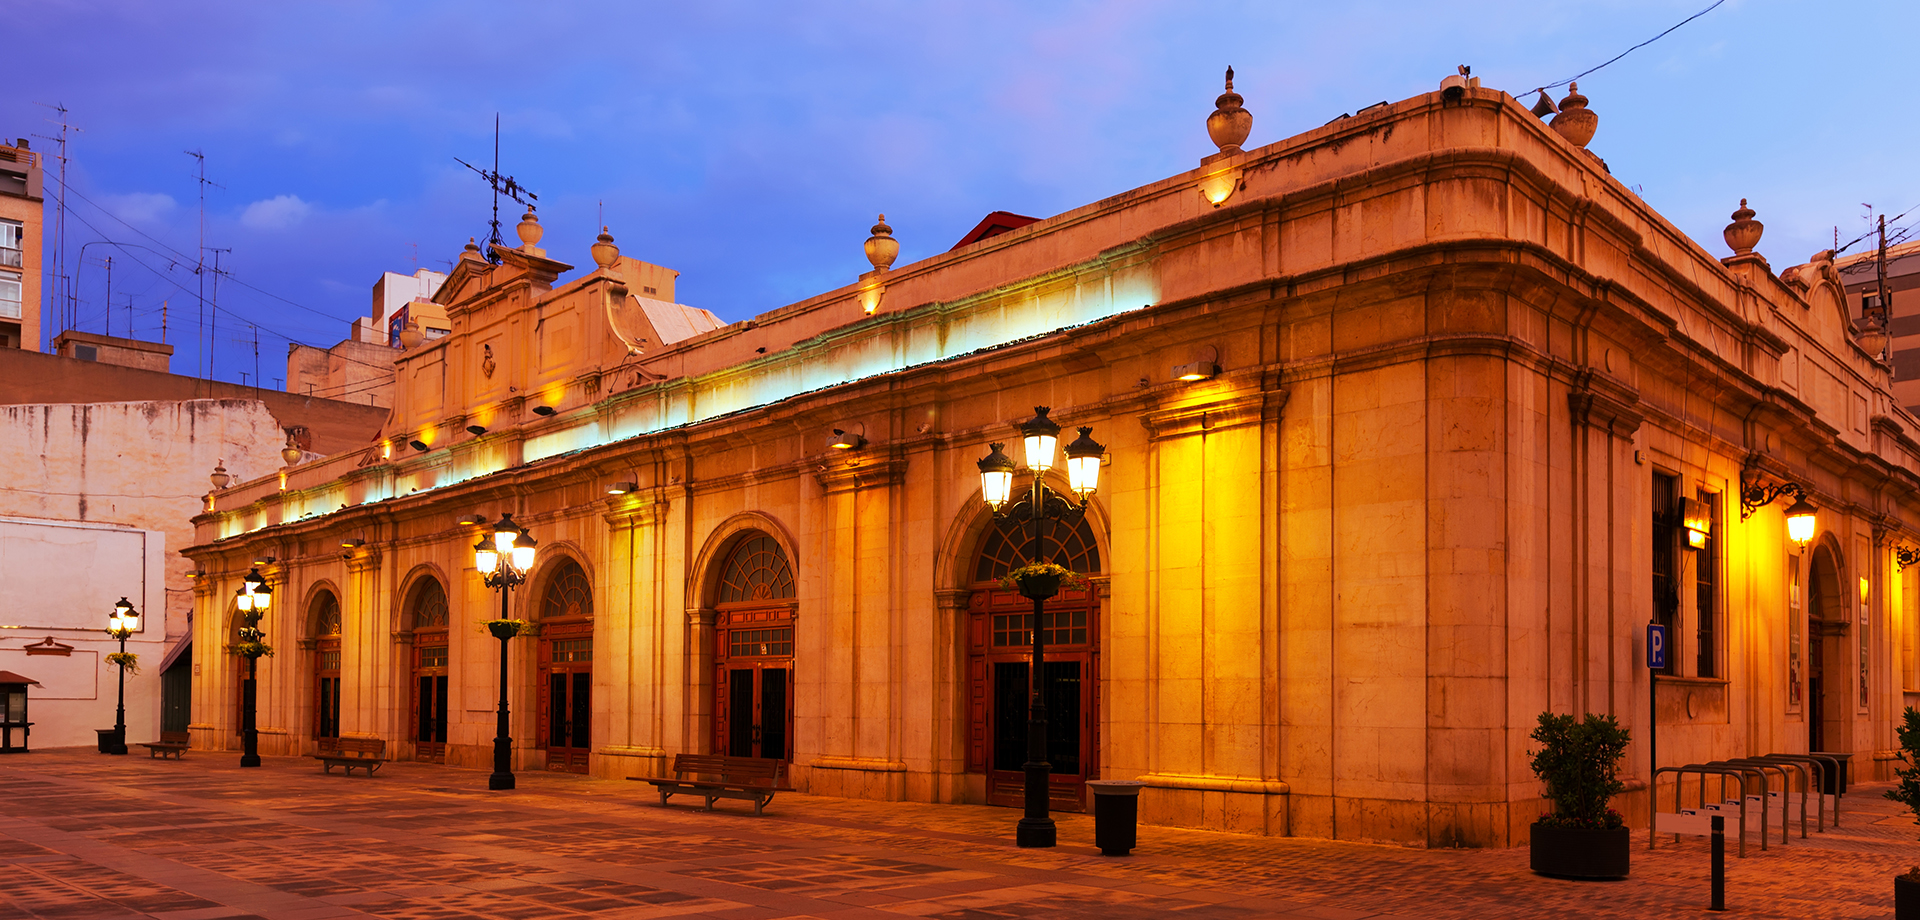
x=503, y=559
x=121, y=623
x=253, y=598
x=1036, y=828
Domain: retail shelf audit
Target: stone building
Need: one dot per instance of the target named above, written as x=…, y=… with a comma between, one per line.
x=1407, y=420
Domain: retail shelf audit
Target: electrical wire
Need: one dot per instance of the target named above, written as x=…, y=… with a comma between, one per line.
x=1541, y=89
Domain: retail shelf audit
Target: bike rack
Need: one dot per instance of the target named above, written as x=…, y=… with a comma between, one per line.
x=1739, y=775
x=1786, y=788
x=1818, y=767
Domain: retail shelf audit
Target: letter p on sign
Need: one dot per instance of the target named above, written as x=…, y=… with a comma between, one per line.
x=1656, y=646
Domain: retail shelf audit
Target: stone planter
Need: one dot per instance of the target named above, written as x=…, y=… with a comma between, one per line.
x=1906, y=898
x=1580, y=853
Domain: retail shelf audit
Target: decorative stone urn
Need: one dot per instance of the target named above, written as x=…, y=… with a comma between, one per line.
x=881, y=247
x=530, y=232
x=604, y=252
x=1744, y=233
x=410, y=334
x=292, y=452
x=1229, y=124
x=1575, y=122
x=220, y=477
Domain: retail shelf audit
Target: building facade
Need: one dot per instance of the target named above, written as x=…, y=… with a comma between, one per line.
x=22, y=214
x=1398, y=417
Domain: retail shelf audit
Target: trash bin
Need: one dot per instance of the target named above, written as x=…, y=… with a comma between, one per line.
x=1116, y=810
x=110, y=742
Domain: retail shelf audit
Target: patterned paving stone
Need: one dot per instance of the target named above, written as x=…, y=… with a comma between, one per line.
x=84, y=836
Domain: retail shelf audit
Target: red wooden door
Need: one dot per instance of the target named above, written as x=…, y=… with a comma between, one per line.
x=430, y=696
x=566, y=696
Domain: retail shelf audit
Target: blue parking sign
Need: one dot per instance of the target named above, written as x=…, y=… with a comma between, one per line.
x=1656, y=646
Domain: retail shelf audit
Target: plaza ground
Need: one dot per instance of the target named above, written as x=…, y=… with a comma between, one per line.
x=86, y=836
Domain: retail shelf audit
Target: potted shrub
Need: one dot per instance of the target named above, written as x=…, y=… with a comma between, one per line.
x=1906, y=888
x=1579, y=761
x=507, y=629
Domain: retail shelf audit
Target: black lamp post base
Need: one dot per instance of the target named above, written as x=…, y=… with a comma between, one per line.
x=1034, y=833
x=249, y=760
x=500, y=781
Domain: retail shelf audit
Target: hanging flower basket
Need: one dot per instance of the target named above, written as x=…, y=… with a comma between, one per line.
x=128, y=661
x=253, y=649
x=1041, y=580
x=507, y=629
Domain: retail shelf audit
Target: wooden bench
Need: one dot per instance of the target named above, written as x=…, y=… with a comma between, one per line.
x=754, y=779
x=171, y=744
x=365, y=753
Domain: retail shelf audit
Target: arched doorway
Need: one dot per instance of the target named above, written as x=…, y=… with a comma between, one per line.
x=427, y=611
x=753, y=651
x=325, y=620
x=566, y=668
x=999, y=655
x=1828, y=679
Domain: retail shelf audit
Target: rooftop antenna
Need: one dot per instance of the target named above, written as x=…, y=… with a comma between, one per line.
x=502, y=185
x=59, y=273
x=200, y=267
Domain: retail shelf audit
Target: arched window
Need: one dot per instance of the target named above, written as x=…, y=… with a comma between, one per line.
x=757, y=570
x=1005, y=548
x=569, y=594
x=326, y=615
x=429, y=605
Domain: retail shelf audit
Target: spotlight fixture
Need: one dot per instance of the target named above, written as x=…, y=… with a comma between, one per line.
x=418, y=445
x=263, y=560
x=476, y=430
x=543, y=410
x=352, y=543
x=1197, y=370
x=623, y=488
x=845, y=440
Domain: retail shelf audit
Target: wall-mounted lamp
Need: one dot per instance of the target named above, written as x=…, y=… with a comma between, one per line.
x=870, y=298
x=1220, y=186
x=1204, y=366
x=1801, y=518
x=352, y=543
x=476, y=430
x=1904, y=555
x=543, y=410
x=846, y=440
x=197, y=573
x=263, y=560
x=1696, y=520
x=418, y=445
x=623, y=488
x=473, y=520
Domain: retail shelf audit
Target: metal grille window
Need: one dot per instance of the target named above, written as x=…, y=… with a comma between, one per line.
x=433, y=656
x=569, y=594
x=565, y=650
x=1706, y=580
x=1666, y=536
x=760, y=642
x=1062, y=628
x=757, y=570
x=1005, y=548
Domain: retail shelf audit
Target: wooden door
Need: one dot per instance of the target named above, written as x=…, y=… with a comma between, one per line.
x=566, y=691
x=326, y=689
x=753, y=652
x=430, y=697
x=1000, y=660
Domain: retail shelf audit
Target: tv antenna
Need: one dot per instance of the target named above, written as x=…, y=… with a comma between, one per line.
x=502, y=185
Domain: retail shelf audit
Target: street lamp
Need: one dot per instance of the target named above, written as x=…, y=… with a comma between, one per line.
x=1041, y=434
x=253, y=597
x=121, y=623
x=503, y=560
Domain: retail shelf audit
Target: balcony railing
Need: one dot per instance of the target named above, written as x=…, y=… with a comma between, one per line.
x=9, y=258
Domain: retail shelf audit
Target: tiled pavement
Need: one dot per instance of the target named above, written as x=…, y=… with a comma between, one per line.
x=85, y=836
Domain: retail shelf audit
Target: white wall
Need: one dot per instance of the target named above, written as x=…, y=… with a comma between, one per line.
x=63, y=577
